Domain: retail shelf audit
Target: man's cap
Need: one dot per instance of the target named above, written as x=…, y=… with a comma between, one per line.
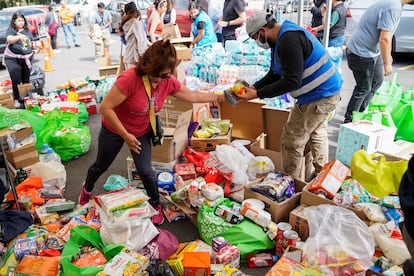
x=255, y=22
x=130, y=7
x=101, y=5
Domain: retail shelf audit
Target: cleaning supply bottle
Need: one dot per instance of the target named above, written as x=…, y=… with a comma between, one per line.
x=261, y=260
x=47, y=154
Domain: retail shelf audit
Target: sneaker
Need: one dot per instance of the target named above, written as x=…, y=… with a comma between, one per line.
x=159, y=218
x=77, y=45
x=84, y=196
x=16, y=104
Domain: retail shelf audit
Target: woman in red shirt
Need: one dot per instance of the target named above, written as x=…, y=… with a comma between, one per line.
x=126, y=117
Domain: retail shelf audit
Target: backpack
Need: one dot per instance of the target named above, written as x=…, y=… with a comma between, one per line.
x=38, y=79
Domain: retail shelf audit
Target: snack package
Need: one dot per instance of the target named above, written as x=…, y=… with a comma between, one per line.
x=93, y=257
x=38, y=266
x=127, y=262
x=276, y=186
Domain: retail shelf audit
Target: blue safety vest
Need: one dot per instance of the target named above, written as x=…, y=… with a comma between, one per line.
x=320, y=79
x=209, y=33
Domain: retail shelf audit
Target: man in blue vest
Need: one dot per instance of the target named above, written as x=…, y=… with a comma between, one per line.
x=300, y=66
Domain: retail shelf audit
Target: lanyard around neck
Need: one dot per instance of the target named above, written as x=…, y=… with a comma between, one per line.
x=152, y=112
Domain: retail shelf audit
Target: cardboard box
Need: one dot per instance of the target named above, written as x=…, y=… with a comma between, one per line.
x=24, y=132
x=172, y=109
x=7, y=100
x=183, y=52
x=190, y=212
x=24, y=88
x=171, y=31
x=247, y=118
x=209, y=144
x=175, y=140
x=196, y=263
x=108, y=70
x=399, y=150
x=86, y=92
x=329, y=179
x=299, y=222
x=371, y=137
x=274, y=119
x=279, y=211
x=260, y=148
x=311, y=199
x=23, y=156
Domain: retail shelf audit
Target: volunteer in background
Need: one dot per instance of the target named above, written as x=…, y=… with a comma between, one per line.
x=317, y=10
x=369, y=51
x=215, y=11
x=202, y=27
x=233, y=16
x=66, y=19
x=170, y=14
x=18, y=54
x=300, y=66
x=135, y=37
x=126, y=117
x=52, y=23
x=155, y=26
x=337, y=27
x=100, y=30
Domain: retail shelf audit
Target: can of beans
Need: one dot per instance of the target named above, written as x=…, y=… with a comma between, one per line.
x=282, y=227
x=290, y=238
x=26, y=203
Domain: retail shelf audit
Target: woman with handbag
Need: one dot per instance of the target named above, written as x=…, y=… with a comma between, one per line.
x=52, y=23
x=18, y=54
x=128, y=115
x=135, y=37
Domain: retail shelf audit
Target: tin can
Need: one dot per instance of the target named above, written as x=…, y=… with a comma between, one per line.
x=26, y=203
x=281, y=228
x=290, y=238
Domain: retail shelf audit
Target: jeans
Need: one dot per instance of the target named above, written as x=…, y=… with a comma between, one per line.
x=19, y=73
x=307, y=124
x=336, y=41
x=68, y=28
x=109, y=145
x=369, y=75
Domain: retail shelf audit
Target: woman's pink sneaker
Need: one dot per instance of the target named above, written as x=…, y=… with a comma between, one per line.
x=159, y=218
x=84, y=196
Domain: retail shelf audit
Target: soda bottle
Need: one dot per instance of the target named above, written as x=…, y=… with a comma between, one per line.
x=261, y=260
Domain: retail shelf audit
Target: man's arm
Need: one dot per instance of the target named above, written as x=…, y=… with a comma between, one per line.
x=385, y=42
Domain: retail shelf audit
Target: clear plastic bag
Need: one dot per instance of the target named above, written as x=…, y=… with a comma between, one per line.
x=339, y=242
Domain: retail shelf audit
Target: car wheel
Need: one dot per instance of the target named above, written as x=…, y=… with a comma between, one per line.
x=289, y=8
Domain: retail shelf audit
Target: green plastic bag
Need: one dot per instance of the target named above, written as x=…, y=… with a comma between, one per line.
x=375, y=113
x=388, y=94
x=403, y=116
x=81, y=236
x=83, y=114
x=247, y=236
x=376, y=174
x=71, y=142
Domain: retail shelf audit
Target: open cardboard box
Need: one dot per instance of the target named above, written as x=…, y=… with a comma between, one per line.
x=172, y=109
x=190, y=212
x=175, y=140
x=209, y=144
x=279, y=211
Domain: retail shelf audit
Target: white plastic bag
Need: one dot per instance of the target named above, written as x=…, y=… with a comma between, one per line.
x=134, y=233
x=338, y=240
x=259, y=166
x=53, y=174
x=234, y=161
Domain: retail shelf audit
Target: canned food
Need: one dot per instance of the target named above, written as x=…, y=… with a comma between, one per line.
x=26, y=203
x=290, y=238
x=282, y=227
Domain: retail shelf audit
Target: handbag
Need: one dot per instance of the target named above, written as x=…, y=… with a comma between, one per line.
x=157, y=136
x=53, y=28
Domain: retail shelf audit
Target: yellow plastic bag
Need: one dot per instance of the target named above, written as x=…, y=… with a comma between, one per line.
x=376, y=174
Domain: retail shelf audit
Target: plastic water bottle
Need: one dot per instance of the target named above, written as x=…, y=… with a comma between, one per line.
x=47, y=154
x=10, y=141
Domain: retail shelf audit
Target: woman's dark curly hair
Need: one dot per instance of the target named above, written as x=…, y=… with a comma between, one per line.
x=161, y=55
x=13, y=20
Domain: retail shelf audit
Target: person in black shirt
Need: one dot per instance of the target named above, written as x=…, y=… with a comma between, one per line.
x=234, y=16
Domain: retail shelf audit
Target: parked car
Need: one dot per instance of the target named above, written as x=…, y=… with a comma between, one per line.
x=287, y=6
x=5, y=18
x=403, y=39
x=114, y=8
x=35, y=16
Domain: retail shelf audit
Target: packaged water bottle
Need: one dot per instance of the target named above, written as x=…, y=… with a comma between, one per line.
x=10, y=141
x=47, y=154
x=261, y=260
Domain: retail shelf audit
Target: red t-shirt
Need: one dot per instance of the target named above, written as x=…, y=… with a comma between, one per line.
x=134, y=111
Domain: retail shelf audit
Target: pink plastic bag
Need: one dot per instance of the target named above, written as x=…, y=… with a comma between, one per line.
x=162, y=246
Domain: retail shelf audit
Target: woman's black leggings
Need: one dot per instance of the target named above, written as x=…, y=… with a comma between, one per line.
x=19, y=73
